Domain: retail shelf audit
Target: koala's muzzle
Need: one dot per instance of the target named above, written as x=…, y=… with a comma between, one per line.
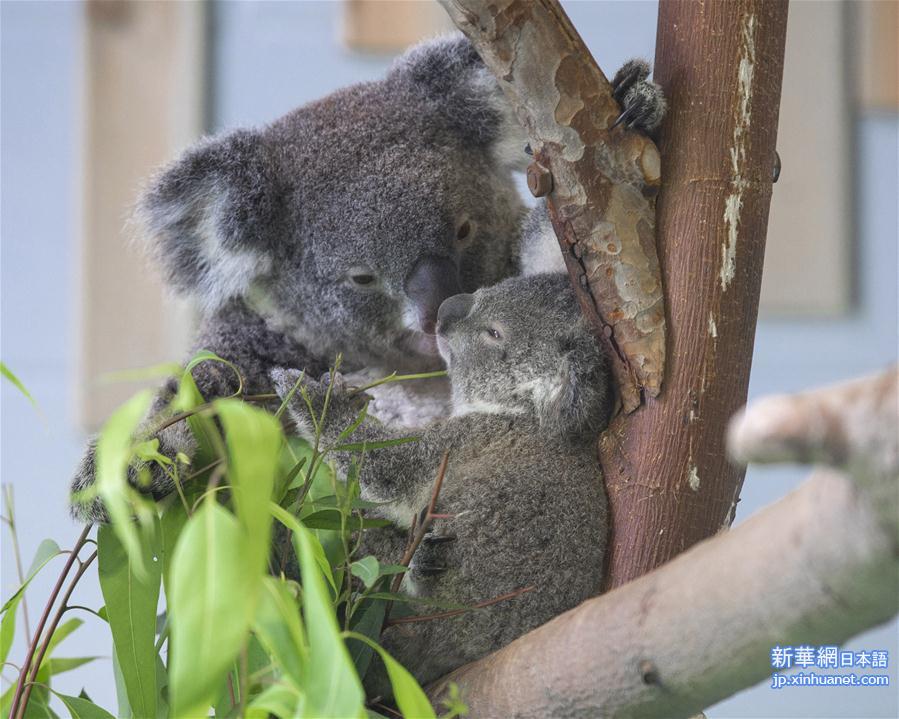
x=430, y=282
x=452, y=310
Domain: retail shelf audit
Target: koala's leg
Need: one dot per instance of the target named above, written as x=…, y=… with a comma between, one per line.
x=236, y=334
x=642, y=102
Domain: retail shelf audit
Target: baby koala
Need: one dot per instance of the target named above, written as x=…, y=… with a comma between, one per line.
x=523, y=496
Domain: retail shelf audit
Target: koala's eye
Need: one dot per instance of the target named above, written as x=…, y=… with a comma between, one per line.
x=362, y=277
x=493, y=334
x=465, y=232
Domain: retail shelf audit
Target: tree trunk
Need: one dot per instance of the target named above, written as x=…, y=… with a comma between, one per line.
x=720, y=63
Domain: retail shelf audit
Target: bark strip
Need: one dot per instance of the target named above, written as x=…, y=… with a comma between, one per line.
x=600, y=182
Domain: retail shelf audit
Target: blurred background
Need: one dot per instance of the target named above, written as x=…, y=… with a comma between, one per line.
x=95, y=95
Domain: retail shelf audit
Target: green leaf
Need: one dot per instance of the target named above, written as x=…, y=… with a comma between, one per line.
x=282, y=700
x=121, y=692
x=8, y=627
x=367, y=570
x=426, y=601
x=38, y=706
x=7, y=372
x=407, y=693
x=332, y=519
x=360, y=418
x=131, y=601
x=211, y=608
x=82, y=708
x=279, y=628
x=367, y=620
x=289, y=521
x=62, y=631
x=113, y=456
x=367, y=446
x=171, y=524
x=46, y=550
x=254, y=445
x=331, y=685
x=65, y=664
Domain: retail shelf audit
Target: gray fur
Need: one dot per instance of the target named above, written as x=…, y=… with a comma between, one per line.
x=523, y=484
x=265, y=227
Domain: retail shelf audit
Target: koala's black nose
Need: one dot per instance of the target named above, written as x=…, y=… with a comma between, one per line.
x=452, y=310
x=430, y=282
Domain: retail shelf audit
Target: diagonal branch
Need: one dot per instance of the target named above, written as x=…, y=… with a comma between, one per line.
x=600, y=181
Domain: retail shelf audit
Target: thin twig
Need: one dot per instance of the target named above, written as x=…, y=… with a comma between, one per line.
x=417, y=533
x=36, y=665
x=32, y=647
x=11, y=521
x=394, y=377
x=457, y=612
x=425, y=524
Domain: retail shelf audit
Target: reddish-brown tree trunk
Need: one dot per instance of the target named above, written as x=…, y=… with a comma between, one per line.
x=720, y=63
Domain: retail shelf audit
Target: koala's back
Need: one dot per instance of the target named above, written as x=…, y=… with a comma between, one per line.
x=526, y=512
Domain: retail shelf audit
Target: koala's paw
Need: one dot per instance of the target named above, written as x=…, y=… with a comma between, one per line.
x=343, y=406
x=642, y=101
x=431, y=559
x=83, y=508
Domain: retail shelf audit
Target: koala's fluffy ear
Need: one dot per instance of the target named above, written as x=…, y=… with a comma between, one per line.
x=580, y=399
x=451, y=74
x=213, y=215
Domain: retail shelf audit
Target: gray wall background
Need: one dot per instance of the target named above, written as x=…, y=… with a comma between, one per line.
x=269, y=57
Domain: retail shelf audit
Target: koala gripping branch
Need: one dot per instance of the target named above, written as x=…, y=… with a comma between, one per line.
x=600, y=181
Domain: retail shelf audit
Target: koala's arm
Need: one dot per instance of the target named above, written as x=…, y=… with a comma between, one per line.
x=402, y=474
x=236, y=334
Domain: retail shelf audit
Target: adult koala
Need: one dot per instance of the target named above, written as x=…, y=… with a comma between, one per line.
x=339, y=227
x=523, y=503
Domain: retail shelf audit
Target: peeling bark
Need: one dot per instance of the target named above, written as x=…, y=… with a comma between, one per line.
x=603, y=180
x=670, y=485
x=817, y=567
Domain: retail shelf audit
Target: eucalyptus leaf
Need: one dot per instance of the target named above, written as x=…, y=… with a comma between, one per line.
x=211, y=607
x=58, y=665
x=8, y=627
x=171, y=524
x=331, y=685
x=278, y=627
x=254, y=443
x=289, y=521
x=368, y=446
x=367, y=620
x=46, y=550
x=409, y=696
x=366, y=569
x=332, y=519
x=112, y=458
x=17, y=383
x=131, y=602
x=82, y=708
x=62, y=631
x=121, y=692
x=282, y=700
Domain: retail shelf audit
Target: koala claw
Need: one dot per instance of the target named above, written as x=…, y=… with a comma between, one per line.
x=429, y=569
x=438, y=538
x=642, y=100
